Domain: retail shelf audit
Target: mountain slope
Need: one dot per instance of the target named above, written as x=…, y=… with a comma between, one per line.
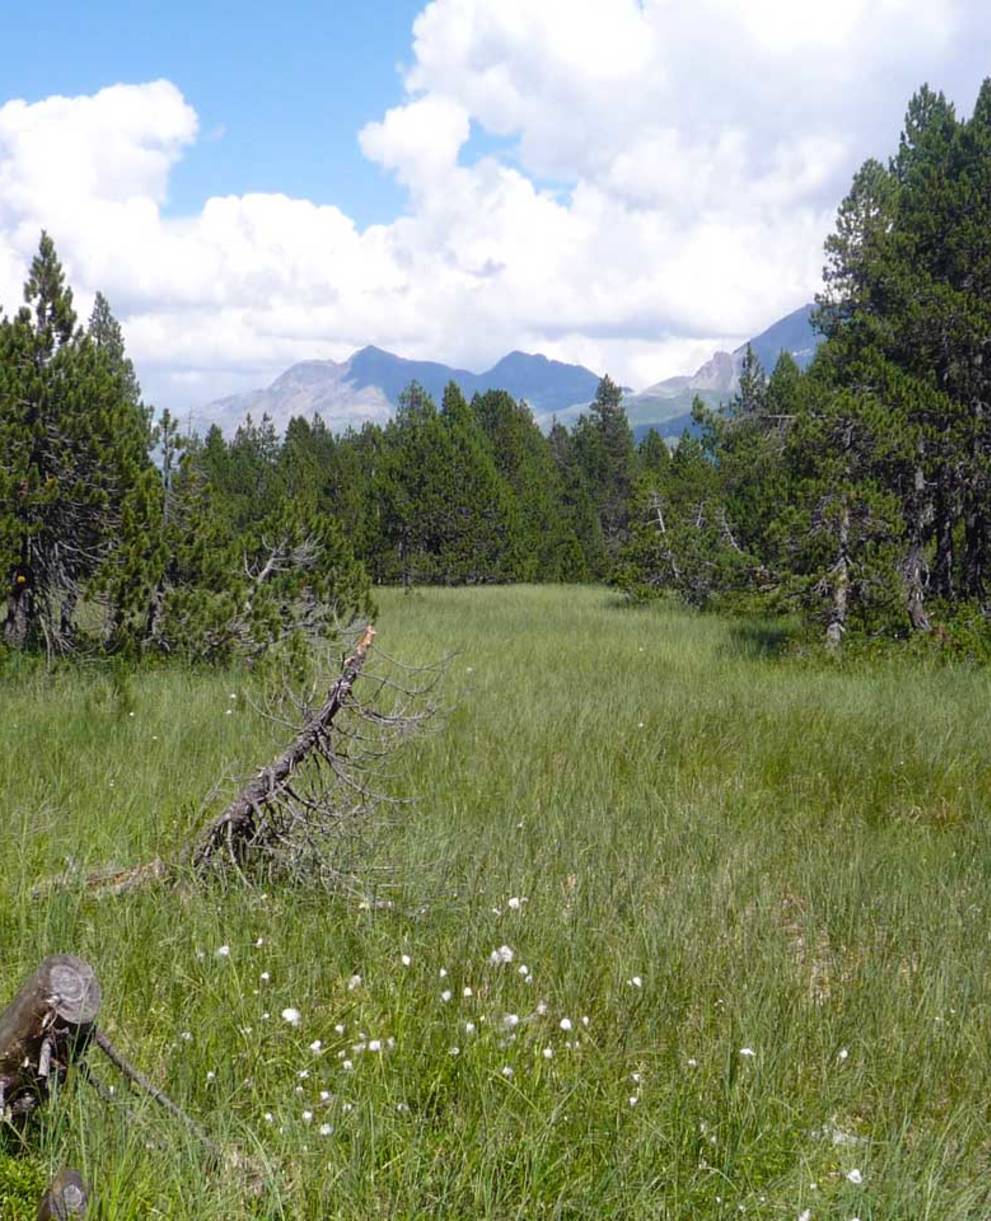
x=368, y=385
x=667, y=404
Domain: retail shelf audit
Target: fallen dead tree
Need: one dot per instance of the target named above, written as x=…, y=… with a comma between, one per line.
x=297, y=813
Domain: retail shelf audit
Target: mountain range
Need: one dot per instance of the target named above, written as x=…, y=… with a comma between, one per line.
x=367, y=385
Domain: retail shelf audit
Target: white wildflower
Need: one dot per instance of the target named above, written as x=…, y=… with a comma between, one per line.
x=443, y=972
x=326, y=1129
x=635, y=982
x=374, y=1045
x=406, y=960
x=633, y=1100
x=316, y=1046
x=842, y=1054
x=339, y=1028
x=565, y=1023
x=347, y=1065
x=354, y=982
x=445, y=996
x=514, y=904
x=854, y=1176
x=470, y=1027
x=268, y=1117
x=548, y=1053
x=454, y=1051
x=466, y=993
x=292, y=1016
x=303, y=1074
x=511, y=1020
x=747, y=1052
x=223, y=951
x=506, y=1071
x=211, y=1076
x=307, y=1116
x=502, y=955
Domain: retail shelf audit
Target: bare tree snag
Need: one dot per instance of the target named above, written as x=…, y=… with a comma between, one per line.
x=67, y=1197
x=45, y=1027
x=247, y=822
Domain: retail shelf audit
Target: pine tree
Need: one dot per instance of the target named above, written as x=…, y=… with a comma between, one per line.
x=605, y=452
x=73, y=443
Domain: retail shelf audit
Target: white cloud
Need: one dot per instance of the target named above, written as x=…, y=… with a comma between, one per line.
x=667, y=175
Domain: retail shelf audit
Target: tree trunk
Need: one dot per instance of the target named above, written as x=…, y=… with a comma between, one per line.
x=45, y=1027
x=67, y=1197
x=943, y=568
x=975, y=548
x=914, y=568
x=841, y=584
x=15, y=629
x=915, y=584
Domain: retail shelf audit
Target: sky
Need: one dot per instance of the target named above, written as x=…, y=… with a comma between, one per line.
x=627, y=184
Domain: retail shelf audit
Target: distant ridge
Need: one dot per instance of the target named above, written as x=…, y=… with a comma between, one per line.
x=667, y=404
x=367, y=386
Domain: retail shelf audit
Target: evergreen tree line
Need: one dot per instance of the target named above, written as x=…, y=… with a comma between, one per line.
x=857, y=492
x=461, y=493
x=113, y=537
x=120, y=534
x=860, y=490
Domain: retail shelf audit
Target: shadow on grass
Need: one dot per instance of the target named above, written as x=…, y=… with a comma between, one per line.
x=759, y=638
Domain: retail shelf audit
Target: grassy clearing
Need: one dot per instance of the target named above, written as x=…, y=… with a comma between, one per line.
x=717, y=850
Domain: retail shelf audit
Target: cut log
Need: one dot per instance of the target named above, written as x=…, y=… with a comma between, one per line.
x=45, y=1027
x=67, y=1197
x=245, y=824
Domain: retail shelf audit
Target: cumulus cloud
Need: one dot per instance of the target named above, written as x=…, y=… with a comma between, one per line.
x=665, y=177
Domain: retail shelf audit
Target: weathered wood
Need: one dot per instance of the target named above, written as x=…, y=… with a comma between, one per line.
x=44, y=1028
x=243, y=824
x=67, y=1197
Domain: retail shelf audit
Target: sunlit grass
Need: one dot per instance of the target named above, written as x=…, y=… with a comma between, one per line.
x=718, y=850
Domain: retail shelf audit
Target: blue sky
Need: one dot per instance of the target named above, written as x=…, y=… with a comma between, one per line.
x=626, y=184
x=281, y=89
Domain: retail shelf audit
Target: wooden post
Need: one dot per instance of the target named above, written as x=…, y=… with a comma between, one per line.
x=44, y=1028
x=67, y=1197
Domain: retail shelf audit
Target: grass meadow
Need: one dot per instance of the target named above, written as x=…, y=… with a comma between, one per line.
x=739, y=907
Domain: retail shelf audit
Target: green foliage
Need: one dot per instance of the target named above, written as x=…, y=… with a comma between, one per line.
x=73, y=444
x=22, y=1184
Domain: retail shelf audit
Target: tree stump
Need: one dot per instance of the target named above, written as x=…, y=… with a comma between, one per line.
x=67, y=1197
x=45, y=1027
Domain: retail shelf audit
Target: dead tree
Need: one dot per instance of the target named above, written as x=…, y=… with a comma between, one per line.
x=252, y=820
x=47, y=1026
x=302, y=813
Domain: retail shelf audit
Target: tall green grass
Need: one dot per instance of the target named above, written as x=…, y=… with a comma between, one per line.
x=715, y=850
